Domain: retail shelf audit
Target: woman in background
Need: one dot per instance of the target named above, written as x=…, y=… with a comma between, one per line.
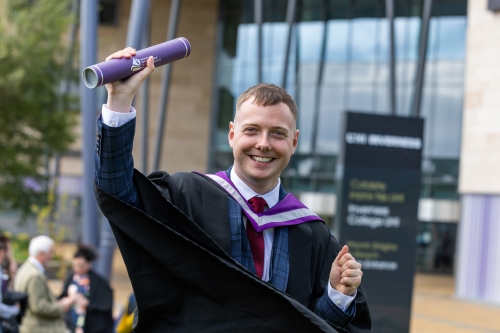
x=7, y=312
x=94, y=316
x=9, y=265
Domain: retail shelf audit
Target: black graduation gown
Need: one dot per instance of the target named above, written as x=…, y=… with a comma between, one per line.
x=99, y=315
x=184, y=278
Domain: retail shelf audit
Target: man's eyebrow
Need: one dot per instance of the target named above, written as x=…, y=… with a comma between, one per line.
x=246, y=125
x=284, y=129
x=281, y=128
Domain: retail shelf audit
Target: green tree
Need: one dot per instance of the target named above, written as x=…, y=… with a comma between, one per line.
x=34, y=121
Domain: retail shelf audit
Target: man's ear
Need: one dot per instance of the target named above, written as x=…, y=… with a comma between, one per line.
x=295, y=140
x=230, y=135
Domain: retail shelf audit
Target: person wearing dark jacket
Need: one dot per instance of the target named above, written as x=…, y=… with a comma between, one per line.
x=95, y=315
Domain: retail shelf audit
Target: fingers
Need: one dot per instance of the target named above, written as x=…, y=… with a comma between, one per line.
x=352, y=282
x=345, y=258
x=343, y=251
x=125, y=53
x=351, y=270
x=351, y=277
x=130, y=52
x=349, y=266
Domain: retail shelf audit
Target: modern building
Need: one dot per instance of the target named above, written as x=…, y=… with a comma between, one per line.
x=337, y=59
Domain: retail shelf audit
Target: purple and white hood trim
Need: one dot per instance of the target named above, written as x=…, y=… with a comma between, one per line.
x=289, y=211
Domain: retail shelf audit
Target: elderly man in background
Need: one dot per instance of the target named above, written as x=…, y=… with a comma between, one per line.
x=44, y=313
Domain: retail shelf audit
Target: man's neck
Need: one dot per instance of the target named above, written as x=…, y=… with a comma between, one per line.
x=271, y=197
x=260, y=189
x=38, y=264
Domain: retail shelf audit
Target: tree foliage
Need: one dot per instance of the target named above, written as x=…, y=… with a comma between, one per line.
x=33, y=124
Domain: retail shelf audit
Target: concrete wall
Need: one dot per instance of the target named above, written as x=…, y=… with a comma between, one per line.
x=480, y=156
x=478, y=251
x=187, y=130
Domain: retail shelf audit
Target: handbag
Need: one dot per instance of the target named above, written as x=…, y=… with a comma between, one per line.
x=9, y=325
x=10, y=297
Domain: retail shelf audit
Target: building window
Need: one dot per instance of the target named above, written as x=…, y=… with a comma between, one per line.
x=355, y=74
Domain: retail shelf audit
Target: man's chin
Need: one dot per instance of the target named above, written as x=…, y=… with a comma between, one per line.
x=259, y=174
x=261, y=177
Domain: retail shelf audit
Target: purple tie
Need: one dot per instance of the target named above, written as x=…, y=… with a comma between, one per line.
x=256, y=239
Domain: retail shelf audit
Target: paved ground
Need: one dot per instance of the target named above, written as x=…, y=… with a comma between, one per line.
x=434, y=310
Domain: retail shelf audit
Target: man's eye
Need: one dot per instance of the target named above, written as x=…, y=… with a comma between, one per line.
x=279, y=133
x=250, y=130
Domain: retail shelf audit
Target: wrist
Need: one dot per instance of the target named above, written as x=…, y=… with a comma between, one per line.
x=119, y=104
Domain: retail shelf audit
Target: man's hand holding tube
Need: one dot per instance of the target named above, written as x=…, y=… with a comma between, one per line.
x=121, y=93
x=345, y=275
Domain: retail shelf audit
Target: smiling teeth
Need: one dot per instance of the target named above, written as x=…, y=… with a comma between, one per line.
x=262, y=159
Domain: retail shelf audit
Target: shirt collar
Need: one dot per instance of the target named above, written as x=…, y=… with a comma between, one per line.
x=271, y=197
x=37, y=264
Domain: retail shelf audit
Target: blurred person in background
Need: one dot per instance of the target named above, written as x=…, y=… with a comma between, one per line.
x=92, y=311
x=125, y=321
x=9, y=265
x=7, y=312
x=44, y=313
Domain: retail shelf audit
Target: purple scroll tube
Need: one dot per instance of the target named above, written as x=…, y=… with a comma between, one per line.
x=118, y=69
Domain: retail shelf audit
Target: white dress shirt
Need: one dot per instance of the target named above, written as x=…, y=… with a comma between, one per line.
x=116, y=119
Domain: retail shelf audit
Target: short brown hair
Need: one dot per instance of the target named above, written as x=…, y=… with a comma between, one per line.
x=268, y=94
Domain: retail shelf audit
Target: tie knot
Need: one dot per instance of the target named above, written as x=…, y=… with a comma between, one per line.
x=258, y=204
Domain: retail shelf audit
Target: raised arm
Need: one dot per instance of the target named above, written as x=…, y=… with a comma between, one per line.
x=114, y=164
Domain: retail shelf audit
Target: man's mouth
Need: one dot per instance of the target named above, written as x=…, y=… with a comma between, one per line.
x=262, y=159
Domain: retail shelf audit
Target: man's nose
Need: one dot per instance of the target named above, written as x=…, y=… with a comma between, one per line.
x=263, y=142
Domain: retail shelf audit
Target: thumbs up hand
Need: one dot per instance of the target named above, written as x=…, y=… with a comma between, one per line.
x=345, y=275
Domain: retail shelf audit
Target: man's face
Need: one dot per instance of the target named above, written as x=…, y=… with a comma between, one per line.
x=262, y=138
x=45, y=257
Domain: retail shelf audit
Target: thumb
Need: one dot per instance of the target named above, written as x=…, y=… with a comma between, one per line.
x=150, y=64
x=150, y=67
x=344, y=250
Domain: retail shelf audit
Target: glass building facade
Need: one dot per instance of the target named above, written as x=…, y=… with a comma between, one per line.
x=339, y=61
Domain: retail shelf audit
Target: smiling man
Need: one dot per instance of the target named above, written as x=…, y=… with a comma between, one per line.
x=245, y=211
x=263, y=136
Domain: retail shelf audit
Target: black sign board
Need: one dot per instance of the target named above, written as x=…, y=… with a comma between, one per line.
x=377, y=212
